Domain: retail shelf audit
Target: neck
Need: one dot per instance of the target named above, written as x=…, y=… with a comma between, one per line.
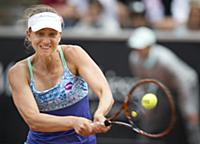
x=47, y=63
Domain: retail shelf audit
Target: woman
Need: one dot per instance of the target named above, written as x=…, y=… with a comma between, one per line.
x=50, y=89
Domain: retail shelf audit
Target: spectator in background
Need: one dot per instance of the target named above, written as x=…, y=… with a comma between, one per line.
x=123, y=15
x=98, y=16
x=150, y=60
x=166, y=14
x=110, y=8
x=131, y=15
x=80, y=5
x=137, y=14
x=91, y=19
x=194, y=15
x=67, y=10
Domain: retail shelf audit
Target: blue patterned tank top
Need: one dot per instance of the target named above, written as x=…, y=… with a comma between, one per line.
x=68, y=97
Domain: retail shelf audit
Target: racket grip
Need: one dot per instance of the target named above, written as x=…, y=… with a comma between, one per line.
x=107, y=123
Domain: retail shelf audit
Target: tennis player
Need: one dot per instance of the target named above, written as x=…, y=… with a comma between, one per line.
x=50, y=87
x=151, y=60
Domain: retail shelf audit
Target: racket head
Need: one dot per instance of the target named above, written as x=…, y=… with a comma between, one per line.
x=156, y=122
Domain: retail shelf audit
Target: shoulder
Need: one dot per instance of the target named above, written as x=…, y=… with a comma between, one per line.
x=70, y=49
x=75, y=56
x=172, y=62
x=164, y=53
x=73, y=51
x=18, y=71
x=19, y=66
x=162, y=49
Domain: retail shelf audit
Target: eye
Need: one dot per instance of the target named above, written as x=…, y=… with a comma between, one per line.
x=40, y=34
x=53, y=34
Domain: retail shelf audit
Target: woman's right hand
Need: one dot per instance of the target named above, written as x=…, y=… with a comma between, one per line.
x=83, y=126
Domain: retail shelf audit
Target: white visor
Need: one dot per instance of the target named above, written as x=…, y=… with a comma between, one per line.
x=45, y=20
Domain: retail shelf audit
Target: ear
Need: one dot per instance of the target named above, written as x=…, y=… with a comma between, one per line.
x=59, y=38
x=28, y=34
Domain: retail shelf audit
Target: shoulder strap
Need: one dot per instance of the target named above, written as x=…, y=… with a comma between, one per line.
x=62, y=56
x=30, y=68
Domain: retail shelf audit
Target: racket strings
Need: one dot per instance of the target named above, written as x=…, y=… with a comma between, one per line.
x=153, y=122
x=150, y=121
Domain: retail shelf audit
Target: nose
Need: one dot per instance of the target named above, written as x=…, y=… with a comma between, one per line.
x=46, y=40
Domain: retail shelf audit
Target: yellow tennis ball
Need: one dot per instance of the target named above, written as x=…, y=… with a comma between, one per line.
x=149, y=101
x=133, y=114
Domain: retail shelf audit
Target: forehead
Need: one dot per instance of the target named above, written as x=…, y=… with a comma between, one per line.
x=47, y=30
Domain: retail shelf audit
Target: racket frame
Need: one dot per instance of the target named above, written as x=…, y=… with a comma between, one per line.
x=125, y=105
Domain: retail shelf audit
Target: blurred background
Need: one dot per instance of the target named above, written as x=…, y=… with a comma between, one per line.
x=102, y=28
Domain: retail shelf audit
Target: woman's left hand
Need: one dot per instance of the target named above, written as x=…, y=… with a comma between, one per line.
x=98, y=124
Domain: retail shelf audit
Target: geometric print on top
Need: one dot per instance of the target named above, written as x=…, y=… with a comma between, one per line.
x=67, y=92
x=70, y=90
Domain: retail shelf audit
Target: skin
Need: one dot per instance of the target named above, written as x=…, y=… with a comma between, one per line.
x=47, y=71
x=143, y=53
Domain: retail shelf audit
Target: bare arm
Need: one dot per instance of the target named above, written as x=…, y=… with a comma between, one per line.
x=89, y=71
x=27, y=107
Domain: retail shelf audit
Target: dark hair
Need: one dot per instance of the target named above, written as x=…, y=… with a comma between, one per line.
x=35, y=9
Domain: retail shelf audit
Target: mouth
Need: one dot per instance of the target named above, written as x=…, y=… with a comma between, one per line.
x=45, y=48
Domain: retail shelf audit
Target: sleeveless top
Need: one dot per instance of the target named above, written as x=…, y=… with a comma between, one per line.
x=69, y=97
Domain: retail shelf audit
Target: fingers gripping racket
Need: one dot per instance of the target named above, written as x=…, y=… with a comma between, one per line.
x=145, y=120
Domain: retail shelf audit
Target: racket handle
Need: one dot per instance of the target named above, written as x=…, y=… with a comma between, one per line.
x=107, y=123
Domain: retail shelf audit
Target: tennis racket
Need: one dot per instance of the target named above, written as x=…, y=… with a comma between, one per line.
x=147, y=122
